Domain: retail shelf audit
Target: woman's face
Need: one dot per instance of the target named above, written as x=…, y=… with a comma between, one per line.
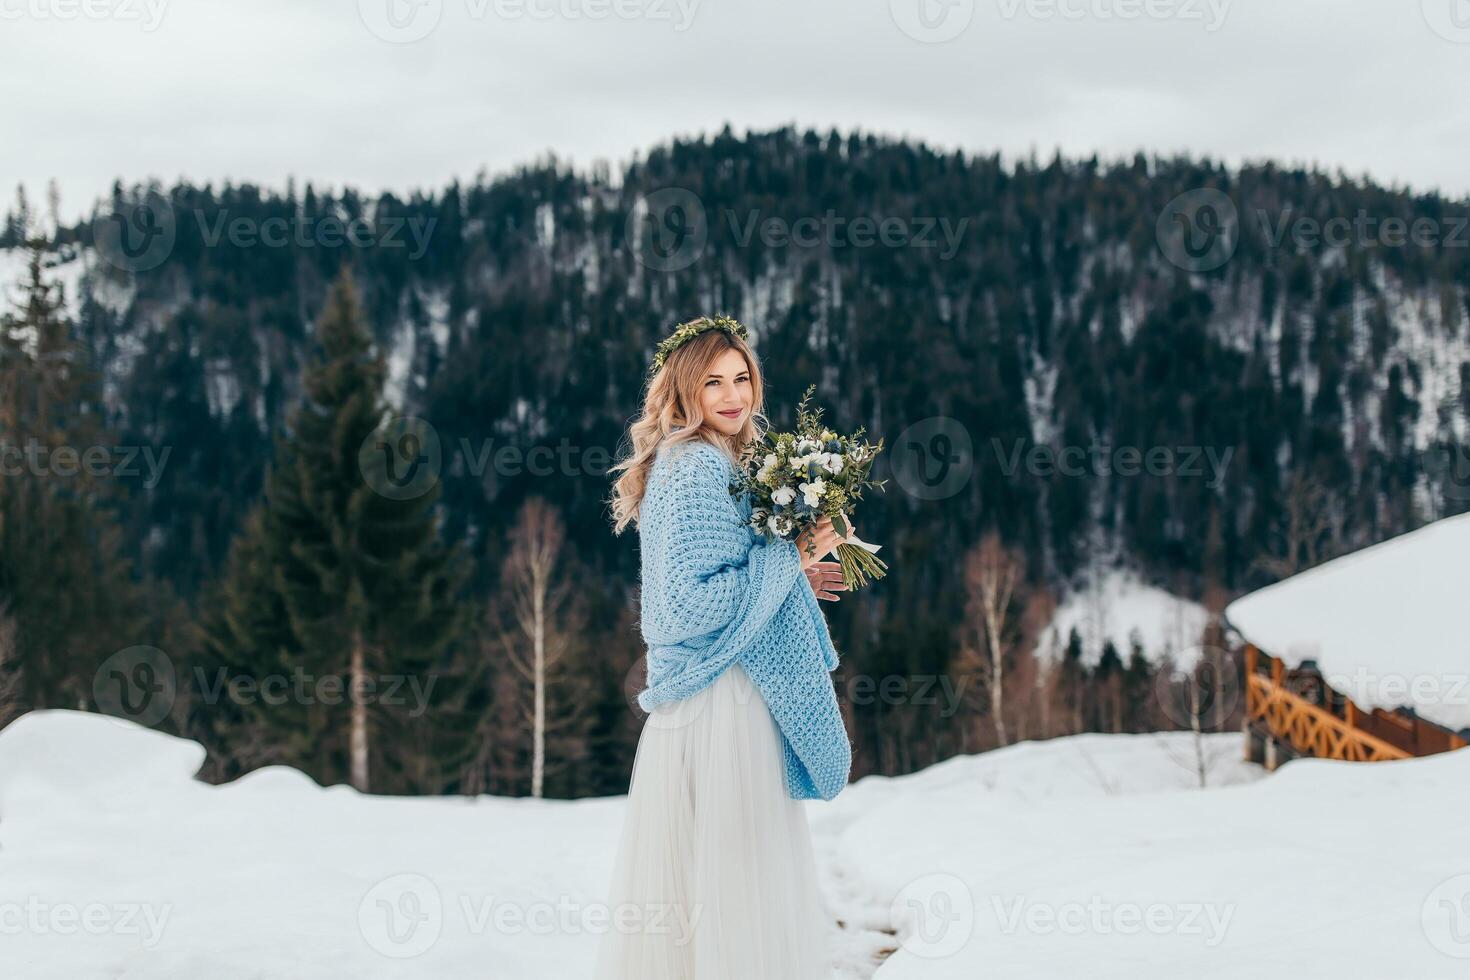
x=727, y=393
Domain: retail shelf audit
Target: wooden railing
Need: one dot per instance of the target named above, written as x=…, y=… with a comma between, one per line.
x=1311, y=729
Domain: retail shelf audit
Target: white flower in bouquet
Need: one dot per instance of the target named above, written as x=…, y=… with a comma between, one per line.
x=828, y=470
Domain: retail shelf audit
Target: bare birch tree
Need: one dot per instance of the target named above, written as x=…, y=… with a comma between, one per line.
x=992, y=575
x=539, y=615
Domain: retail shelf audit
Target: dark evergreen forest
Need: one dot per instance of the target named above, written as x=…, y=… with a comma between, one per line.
x=1303, y=396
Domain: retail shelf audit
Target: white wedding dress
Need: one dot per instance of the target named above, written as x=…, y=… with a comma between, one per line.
x=715, y=877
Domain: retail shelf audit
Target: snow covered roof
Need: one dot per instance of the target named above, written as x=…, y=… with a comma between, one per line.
x=1386, y=624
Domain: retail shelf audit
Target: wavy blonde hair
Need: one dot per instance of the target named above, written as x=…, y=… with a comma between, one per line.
x=673, y=398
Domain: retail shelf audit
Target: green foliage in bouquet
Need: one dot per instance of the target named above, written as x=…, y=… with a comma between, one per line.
x=796, y=478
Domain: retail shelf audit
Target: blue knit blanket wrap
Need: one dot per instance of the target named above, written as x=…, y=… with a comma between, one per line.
x=714, y=592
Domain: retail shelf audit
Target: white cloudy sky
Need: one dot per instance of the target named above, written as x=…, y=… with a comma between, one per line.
x=261, y=89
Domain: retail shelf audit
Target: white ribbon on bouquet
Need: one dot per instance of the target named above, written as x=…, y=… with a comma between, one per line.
x=854, y=539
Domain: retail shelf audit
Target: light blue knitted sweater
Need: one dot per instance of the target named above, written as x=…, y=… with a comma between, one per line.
x=714, y=591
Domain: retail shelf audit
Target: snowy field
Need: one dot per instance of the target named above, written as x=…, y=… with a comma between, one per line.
x=1088, y=857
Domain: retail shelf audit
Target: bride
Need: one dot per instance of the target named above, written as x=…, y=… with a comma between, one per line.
x=714, y=878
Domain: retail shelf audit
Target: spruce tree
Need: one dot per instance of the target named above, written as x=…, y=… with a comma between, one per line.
x=368, y=589
x=63, y=578
x=246, y=635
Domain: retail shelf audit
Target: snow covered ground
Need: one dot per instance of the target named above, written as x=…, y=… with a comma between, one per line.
x=1093, y=856
x=1386, y=624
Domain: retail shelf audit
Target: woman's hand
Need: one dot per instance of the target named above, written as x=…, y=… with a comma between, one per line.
x=826, y=579
x=816, y=543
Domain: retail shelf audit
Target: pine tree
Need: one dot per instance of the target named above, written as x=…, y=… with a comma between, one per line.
x=1137, y=685
x=246, y=634
x=69, y=591
x=368, y=590
x=1108, y=689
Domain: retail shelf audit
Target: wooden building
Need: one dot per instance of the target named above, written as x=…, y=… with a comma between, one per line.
x=1363, y=658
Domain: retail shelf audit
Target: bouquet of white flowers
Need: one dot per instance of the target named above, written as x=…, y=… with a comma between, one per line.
x=796, y=478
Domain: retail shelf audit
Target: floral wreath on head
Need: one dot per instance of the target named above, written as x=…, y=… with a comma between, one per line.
x=686, y=332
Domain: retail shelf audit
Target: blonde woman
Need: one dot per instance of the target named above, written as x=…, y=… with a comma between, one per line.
x=714, y=878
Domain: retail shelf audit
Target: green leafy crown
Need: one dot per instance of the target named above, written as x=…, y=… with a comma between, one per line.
x=686, y=332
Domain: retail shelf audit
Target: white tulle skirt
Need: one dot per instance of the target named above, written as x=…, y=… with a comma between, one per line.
x=715, y=877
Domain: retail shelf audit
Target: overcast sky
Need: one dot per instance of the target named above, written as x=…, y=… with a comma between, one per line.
x=404, y=94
